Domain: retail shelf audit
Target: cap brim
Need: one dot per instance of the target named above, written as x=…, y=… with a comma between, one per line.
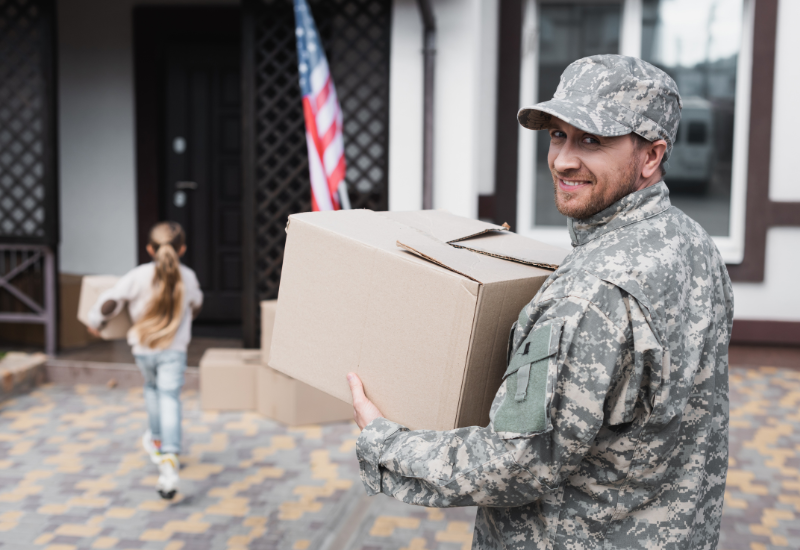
x=587, y=116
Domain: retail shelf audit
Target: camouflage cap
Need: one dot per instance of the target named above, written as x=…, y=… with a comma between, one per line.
x=612, y=95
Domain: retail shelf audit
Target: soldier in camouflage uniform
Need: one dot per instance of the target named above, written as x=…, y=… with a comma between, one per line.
x=610, y=429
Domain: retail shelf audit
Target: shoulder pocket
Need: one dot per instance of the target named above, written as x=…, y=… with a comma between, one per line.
x=529, y=383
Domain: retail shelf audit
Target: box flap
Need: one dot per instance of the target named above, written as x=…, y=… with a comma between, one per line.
x=443, y=225
x=480, y=268
x=516, y=248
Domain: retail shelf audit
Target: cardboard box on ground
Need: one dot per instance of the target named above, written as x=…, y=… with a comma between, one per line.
x=228, y=379
x=92, y=286
x=238, y=379
x=419, y=304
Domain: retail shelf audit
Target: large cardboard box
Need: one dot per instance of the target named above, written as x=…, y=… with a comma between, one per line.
x=419, y=304
x=228, y=379
x=91, y=288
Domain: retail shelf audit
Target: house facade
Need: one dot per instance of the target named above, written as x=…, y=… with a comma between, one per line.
x=190, y=110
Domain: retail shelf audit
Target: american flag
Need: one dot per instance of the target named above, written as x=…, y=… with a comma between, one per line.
x=322, y=114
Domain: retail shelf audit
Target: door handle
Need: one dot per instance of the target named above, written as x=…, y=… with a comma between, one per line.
x=186, y=185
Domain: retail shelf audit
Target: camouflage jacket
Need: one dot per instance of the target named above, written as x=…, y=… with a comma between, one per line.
x=610, y=429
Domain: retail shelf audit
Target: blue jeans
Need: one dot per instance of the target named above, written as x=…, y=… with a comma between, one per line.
x=163, y=380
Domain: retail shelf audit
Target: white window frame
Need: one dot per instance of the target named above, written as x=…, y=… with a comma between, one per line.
x=732, y=246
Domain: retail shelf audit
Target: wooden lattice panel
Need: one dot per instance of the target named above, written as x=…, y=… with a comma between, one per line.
x=27, y=188
x=359, y=58
x=356, y=36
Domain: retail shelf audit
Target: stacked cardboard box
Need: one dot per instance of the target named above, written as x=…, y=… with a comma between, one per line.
x=285, y=399
x=228, y=379
x=240, y=380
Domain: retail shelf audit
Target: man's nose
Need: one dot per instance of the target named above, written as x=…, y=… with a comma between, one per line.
x=566, y=158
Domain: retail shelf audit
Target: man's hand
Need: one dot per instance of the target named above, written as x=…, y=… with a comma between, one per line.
x=364, y=410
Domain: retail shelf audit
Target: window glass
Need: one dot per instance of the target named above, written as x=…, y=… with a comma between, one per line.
x=567, y=32
x=697, y=43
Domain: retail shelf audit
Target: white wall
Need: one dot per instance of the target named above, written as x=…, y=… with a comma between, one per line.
x=96, y=134
x=465, y=101
x=461, y=154
x=96, y=147
x=784, y=181
x=778, y=297
x=486, y=116
x=405, y=108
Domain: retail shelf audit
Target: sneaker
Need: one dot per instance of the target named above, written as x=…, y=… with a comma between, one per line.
x=167, y=484
x=151, y=447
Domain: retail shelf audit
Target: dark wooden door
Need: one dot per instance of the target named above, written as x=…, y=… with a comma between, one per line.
x=202, y=161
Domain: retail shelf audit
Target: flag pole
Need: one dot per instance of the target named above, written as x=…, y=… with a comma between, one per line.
x=344, y=197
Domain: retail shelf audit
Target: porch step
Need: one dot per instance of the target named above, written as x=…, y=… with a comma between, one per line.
x=21, y=372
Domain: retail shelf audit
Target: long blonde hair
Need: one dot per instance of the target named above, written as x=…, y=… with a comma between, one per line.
x=164, y=313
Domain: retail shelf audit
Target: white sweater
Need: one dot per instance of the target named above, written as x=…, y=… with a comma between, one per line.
x=136, y=289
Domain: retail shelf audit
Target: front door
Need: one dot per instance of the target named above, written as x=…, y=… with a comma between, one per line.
x=202, y=162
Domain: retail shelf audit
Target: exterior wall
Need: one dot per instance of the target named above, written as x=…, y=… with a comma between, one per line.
x=459, y=150
x=96, y=134
x=405, y=108
x=465, y=102
x=489, y=16
x=96, y=120
x=786, y=111
x=778, y=297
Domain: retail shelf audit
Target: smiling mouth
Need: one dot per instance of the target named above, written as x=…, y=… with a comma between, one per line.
x=572, y=185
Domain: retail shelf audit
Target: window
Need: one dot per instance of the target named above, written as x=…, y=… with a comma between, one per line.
x=568, y=32
x=705, y=46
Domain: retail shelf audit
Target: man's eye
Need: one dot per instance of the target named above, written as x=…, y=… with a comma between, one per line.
x=557, y=134
x=591, y=140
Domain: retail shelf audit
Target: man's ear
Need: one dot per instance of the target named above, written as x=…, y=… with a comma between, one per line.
x=653, y=155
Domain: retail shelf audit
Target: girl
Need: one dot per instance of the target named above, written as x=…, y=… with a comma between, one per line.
x=163, y=297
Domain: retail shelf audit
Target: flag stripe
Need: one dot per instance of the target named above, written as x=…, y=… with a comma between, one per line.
x=319, y=183
x=322, y=113
x=331, y=155
x=324, y=94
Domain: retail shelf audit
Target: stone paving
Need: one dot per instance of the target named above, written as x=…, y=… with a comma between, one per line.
x=72, y=476
x=762, y=500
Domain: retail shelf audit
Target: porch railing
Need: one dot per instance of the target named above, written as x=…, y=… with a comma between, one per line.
x=28, y=279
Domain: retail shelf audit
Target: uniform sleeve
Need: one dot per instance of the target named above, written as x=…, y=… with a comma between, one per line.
x=112, y=301
x=528, y=449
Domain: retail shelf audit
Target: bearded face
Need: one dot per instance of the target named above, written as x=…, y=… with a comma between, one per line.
x=590, y=172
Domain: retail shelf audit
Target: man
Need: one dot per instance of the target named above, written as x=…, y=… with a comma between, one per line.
x=610, y=429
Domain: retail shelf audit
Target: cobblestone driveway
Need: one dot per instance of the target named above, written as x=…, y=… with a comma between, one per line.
x=72, y=475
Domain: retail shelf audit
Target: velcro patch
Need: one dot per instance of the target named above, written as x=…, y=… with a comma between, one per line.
x=529, y=382
x=541, y=342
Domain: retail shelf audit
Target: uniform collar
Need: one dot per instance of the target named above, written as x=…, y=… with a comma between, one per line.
x=629, y=209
